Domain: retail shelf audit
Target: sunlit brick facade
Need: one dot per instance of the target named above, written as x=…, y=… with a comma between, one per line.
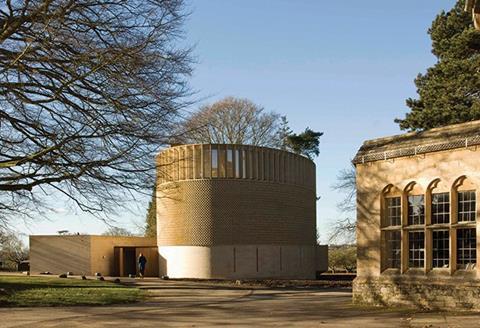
x=236, y=211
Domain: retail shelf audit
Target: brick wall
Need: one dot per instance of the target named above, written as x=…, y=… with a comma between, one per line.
x=226, y=212
x=259, y=196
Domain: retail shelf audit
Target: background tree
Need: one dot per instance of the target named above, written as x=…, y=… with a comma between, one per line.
x=118, y=231
x=151, y=219
x=239, y=121
x=449, y=92
x=283, y=133
x=344, y=228
x=232, y=121
x=342, y=258
x=306, y=143
x=12, y=250
x=89, y=92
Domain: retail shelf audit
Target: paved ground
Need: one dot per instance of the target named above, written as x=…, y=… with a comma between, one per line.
x=189, y=304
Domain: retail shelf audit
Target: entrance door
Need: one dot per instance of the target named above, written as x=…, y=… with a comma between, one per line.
x=151, y=254
x=126, y=260
x=129, y=261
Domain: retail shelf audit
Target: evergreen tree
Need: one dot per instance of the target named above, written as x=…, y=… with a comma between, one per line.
x=283, y=132
x=306, y=143
x=151, y=219
x=449, y=92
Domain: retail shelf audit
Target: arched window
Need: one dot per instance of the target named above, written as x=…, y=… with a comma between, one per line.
x=465, y=215
x=415, y=196
x=392, y=225
x=438, y=216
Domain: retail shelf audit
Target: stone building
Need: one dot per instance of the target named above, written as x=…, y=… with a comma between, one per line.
x=236, y=211
x=223, y=211
x=417, y=218
x=473, y=6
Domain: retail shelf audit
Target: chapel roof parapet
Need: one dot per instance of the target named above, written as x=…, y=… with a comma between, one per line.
x=415, y=143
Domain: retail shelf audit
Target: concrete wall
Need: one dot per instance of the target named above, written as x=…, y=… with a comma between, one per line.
x=321, y=258
x=83, y=254
x=238, y=261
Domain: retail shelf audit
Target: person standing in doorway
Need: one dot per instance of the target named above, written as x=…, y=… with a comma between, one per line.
x=142, y=262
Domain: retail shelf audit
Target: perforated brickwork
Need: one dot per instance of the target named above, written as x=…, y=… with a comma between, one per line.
x=229, y=211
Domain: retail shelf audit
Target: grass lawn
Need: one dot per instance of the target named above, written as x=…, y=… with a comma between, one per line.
x=49, y=291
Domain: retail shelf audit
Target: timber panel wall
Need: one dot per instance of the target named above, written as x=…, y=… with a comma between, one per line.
x=216, y=161
x=59, y=254
x=81, y=254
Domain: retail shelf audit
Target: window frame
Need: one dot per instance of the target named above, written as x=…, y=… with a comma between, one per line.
x=432, y=236
x=436, y=250
x=396, y=208
x=440, y=208
x=416, y=250
x=411, y=217
x=393, y=258
x=463, y=249
x=461, y=202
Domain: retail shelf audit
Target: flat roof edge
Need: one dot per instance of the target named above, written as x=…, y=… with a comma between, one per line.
x=83, y=235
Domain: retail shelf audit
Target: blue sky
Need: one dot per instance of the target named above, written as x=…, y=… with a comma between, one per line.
x=341, y=67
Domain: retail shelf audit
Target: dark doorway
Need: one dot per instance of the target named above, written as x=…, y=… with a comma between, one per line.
x=129, y=261
x=126, y=260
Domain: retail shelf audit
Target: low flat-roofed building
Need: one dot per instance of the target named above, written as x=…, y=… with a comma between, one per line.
x=87, y=254
x=417, y=219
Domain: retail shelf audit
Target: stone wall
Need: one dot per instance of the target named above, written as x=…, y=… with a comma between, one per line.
x=429, y=173
x=418, y=292
x=448, y=171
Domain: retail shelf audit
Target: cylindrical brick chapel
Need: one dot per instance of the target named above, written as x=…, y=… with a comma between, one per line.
x=235, y=211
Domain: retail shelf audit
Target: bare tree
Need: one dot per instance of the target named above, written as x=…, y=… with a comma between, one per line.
x=343, y=257
x=346, y=184
x=235, y=121
x=344, y=229
x=118, y=231
x=12, y=250
x=89, y=92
